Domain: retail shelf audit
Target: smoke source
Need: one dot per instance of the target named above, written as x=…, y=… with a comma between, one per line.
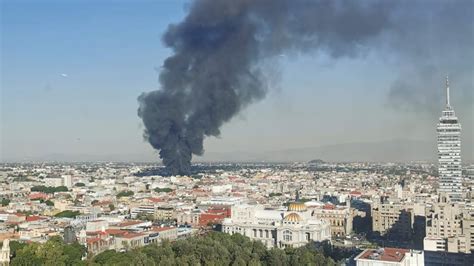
x=215, y=69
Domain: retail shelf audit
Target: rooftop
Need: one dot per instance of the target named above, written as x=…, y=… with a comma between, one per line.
x=384, y=254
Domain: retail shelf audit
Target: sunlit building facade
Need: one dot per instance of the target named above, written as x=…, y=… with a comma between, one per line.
x=449, y=152
x=293, y=227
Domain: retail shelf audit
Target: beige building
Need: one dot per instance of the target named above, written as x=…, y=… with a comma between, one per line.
x=392, y=218
x=188, y=217
x=449, y=227
x=339, y=217
x=164, y=213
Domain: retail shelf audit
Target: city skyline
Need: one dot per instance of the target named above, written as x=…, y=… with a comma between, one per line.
x=237, y=132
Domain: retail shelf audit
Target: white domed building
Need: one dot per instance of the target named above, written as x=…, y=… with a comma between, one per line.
x=293, y=227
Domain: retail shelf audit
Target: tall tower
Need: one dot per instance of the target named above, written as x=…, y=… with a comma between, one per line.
x=449, y=152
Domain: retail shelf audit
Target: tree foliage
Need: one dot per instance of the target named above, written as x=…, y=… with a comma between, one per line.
x=213, y=249
x=4, y=202
x=49, y=190
x=274, y=194
x=67, y=214
x=166, y=190
x=47, y=202
x=125, y=193
x=53, y=252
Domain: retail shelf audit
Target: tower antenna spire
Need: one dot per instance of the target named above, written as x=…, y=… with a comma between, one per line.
x=447, y=91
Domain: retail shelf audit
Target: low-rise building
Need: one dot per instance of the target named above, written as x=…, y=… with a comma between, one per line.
x=293, y=227
x=390, y=257
x=340, y=218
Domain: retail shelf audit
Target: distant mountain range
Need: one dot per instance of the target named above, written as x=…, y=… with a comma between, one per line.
x=384, y=151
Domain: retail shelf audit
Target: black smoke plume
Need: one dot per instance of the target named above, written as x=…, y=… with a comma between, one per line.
x=215, y=69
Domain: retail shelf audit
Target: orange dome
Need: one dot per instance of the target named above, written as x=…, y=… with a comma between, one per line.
x=297, y=207
x=293, y=217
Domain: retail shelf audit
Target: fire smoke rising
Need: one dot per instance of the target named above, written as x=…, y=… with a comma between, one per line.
x=215, y=69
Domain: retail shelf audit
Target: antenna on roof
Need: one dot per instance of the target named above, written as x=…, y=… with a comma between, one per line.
x=447, y=92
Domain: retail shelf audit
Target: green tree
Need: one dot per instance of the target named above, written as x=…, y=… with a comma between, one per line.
x=26, y=256
x=166, y=190
x=49, y=190
x=125, y=193
x=47, y=202
x=15, y=246
x=5, y=202
x=67, y=214
x=51, y=253
x=212, y=249
x=74, y=253
x=105, y=257
x=275, y=257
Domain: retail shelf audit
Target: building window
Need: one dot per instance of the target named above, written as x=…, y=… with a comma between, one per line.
x=261, y=233
x=266, y=234
x=287, y=235
x=254, y=232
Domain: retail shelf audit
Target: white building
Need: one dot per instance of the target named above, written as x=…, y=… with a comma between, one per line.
x=142, y=209
x=67, y=181
x=97, y=225
x=449, y=152
x=53, y=182
x=221, y=189
x=434, y=244
x=228, y=201
x=390, y=257
x=294, y=227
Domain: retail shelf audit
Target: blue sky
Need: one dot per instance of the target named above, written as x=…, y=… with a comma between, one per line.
x=109, y=52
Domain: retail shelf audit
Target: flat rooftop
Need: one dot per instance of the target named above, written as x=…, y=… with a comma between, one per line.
x=385, y=254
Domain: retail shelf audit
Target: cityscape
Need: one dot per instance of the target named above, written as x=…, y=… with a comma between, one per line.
x=182, y=208
x=410, y=213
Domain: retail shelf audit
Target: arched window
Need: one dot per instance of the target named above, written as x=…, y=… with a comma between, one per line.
x=266, y=234
x=287, y=235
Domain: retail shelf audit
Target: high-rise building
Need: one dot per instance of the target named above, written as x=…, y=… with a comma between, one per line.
x=67, y=181
x=449, y=152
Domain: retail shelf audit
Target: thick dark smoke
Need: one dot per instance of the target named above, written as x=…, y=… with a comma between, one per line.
x=215, y=70
x=431, y=39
